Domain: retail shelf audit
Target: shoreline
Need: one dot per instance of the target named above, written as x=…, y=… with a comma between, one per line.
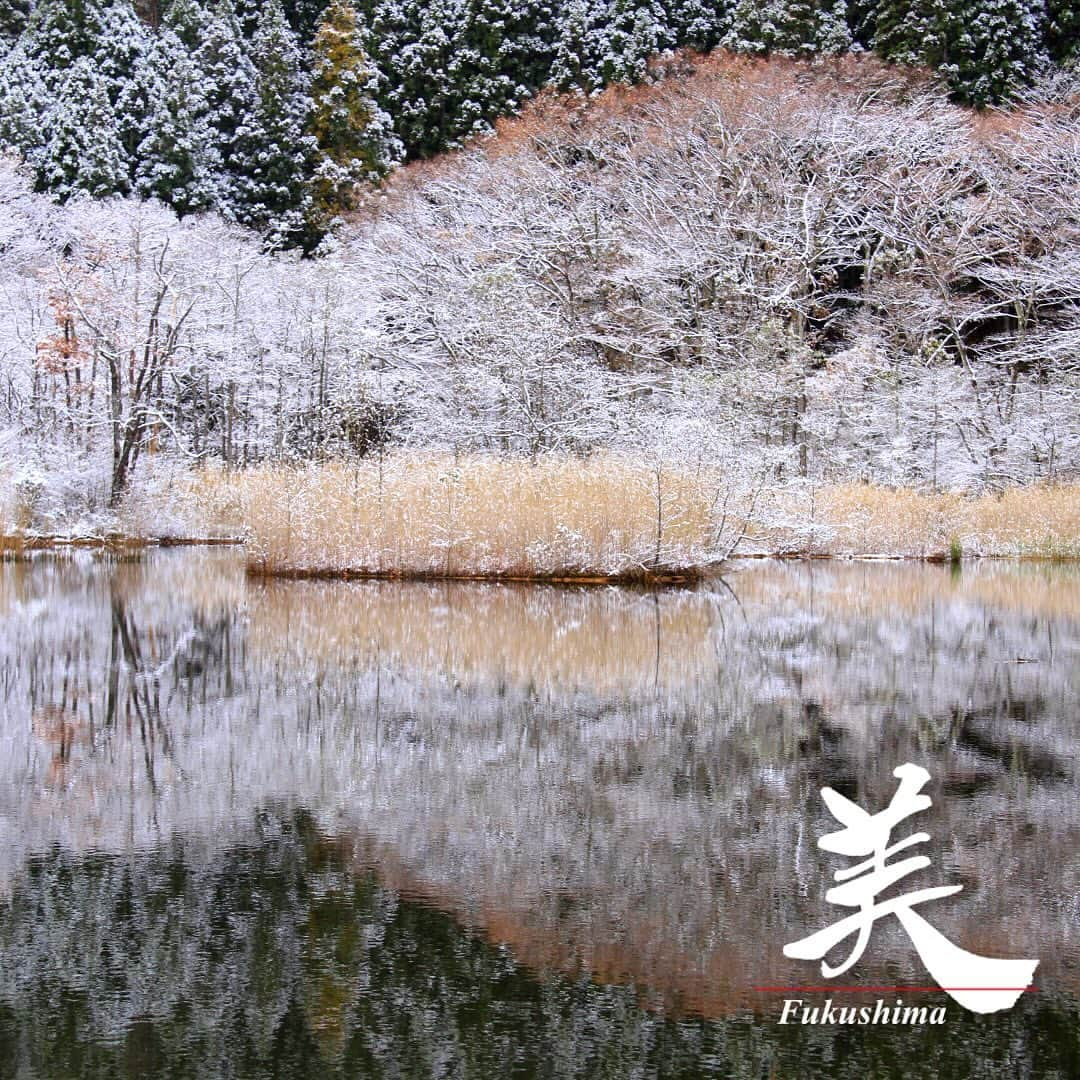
x=14, y=545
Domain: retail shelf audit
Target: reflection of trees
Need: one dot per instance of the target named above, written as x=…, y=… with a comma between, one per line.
x=610, y=781
x=115, y=665
x=273, y=957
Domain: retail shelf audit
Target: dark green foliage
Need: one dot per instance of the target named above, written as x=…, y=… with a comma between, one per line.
x=14, y=15
x=985, y=48
x=275, y=157
x=1063, y=29
x=240, y=135
x=304, y=17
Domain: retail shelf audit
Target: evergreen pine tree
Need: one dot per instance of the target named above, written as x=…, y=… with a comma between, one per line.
x=354, y=137
x=995, y=47
x=275, y=156
x=697, y=23
x=789, y=27
x=175, y=159
x=305, y=17
x=190, y=21
x=24, y=104
x=14, y=15
x=504, y=55
x=226, y=78
x=630, y=32
x=574, y=64
x=604, y=41
x=83, y=152
x=109, y=31
x=985, y=48
x=417, y=42
x=248, y=16
x=1062, y=32
x=135, y=101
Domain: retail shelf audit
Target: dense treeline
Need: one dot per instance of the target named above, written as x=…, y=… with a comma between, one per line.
x=771, y=268
x=274, y=114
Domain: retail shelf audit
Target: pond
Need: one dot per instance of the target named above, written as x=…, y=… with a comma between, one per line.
x=313, y=829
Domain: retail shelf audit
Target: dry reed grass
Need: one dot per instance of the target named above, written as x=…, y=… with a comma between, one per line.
x=1041, y=522
x=605, y=517
x=431, y=516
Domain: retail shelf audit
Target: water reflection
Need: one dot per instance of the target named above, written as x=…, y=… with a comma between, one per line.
x=603, y=800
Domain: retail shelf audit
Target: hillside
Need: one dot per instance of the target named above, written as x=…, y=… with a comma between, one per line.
x=772, y=274
x=276, y=115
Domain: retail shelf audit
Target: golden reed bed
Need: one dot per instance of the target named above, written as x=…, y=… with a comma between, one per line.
x=606, y=518
x=603, y=518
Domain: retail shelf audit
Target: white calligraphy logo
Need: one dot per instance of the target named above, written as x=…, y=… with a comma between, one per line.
x=979, y=983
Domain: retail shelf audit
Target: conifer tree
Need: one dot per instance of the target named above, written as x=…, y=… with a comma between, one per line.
x=632, y=32
x=504, y=55
x=573, y=63
x=602, y=41
x=789, y=27
x=697, y=23
x=109, y=31
x=24, y=104
x=135, y=101
x=190, y=21
x=226, y=79
x=305, y=17
x=1062, y=32
x=175, y=159
x=985, y=48
x=83, y=152
x=248, y=16
x=417, y=42
x=354, y=138
x=14, y=15
x=275, y=154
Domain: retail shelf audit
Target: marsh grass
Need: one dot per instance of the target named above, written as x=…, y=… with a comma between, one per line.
x=603, y=518
x=552, y=518
x=1034, y=522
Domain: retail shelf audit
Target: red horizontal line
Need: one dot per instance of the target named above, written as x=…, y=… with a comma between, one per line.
x=892, y=989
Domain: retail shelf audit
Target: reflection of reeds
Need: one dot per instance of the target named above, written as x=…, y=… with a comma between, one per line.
x=875, y=590
x=614, y=640
x=611, y=641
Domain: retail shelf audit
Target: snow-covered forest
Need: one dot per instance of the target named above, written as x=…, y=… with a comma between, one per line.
x=273, y=114
x=800, y=273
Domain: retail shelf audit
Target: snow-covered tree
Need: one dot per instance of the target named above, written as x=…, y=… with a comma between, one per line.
x=227, y=80
x=354, y=137
x=985, y=48
x=274, y=154
x=304, y=17
x=1062, y=30
x=603, y=41
x=109, y=31
x=176, y=162
x=697, y=23
x=632, y=32
x=789, y=27
x=573, y=64
x=189, y=20
x=416, y=42
x=83, y=152
x=24, y=103
x=14, y=15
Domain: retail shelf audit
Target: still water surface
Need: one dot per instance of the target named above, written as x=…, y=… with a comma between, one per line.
x=319, y=829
